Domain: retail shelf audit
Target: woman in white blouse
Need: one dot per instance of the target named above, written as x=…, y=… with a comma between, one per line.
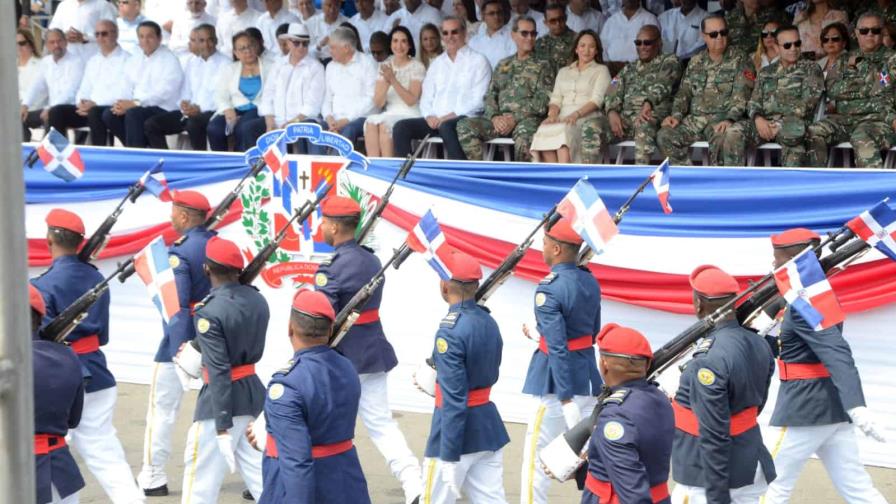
x=578, y=96
x=397, y=92
x=29, y=68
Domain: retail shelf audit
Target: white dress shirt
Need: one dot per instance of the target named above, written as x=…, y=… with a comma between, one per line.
x=350, y=87
x=413, y=21
x=127, y=33
x=162, y=11
x=82, y=15
x=457, y=86
x=681, y=34
x=181, y=28
x=378, y=21
x=156, y=79
x=230, y=23
x=611, y=7
x=494, y=47
x=540, y=27
x=58, y=81
x=105, y=79
x=619, y=34
x=268, y=26
x=28, y=73
x=319, y=29
x=201, y=78
x=292, y=90
x=589, y=20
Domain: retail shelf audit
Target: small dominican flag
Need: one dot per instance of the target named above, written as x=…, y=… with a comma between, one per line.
x=660, y=179
x=156, y=272
x=60, y=157
x=884, y=77
x=428, y=239
x=154, y=181
x=804, y=285
x=588, y=215
x=878, y=228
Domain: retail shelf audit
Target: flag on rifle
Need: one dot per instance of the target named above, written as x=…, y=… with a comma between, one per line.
x=152, y=265
x=804, y=285
x=60, y=157
x=588, y=215
x=428, y=239
x=660, y=179
x=878, y=228
x=154, y=181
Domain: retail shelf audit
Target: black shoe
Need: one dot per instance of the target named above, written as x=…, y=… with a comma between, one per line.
x=159, y=491
x=247, y=495
x=416, y=500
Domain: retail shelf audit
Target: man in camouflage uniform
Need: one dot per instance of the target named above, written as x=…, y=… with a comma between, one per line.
x=516, y=100
x=861, y=95
x=746, y=20
x=555, y=48
x=783, y=105
x=713, y=96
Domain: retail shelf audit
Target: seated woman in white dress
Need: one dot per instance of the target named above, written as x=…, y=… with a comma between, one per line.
x=397, y=91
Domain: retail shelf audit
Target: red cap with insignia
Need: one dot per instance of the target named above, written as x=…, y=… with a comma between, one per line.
x=617, y=339
x=795, y=236
x=564, y=232
x=339, y=206
x=314, y=304
x=63, y=219
x=36, y=300
x=711, y=281
x=224, y=252
x=463, y=267
x=191, y=199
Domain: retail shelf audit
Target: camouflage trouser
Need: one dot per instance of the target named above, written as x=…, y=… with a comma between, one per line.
x=595, y=135
x=644, y=135
x=743, y=134
x=867, y=136
x=472, y=132
x=674, y=142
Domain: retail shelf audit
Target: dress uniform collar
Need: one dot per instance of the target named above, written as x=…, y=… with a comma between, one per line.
x=727, y=323
x=636, y=383
x=316, y=349
x=66, y=259
x=347, y=244
x=564, y=266
x=224, y=287
x=465, y=304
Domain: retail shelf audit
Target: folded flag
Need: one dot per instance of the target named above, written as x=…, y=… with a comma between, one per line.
x=588, y=215
x=154, y=181
x=152, y=265
x=804, y=285
x=660, y=179
x=60, y=157
x=428, y=239
x=878, y=228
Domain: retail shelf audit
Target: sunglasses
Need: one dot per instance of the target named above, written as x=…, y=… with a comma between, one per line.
x=767, y=34
x=528, y=33
x=874, y=31
x=102, y=33
x=716, y=34
x=788, y=45
x=555, y=20
x=22, y=43
x=645, y=42
x=300, y=43
x=446, y=33
x=825, y=40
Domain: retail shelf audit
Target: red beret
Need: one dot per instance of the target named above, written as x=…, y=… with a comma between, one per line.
x=191, y=199
x=36, y=300
x=340, y=206
x=463, y=267
x=63, y=219
x=617, y=339
x=224, y=252
x=564, y=232
x=795, y=236
x=314, y=304
x=711, y=281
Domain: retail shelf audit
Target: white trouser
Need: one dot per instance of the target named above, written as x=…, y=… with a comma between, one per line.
x=383, y=430
x=96, y=441
x=545, y=424
x=835, y=445
x=165, y=392
x=71, y=499
x=205, y=467
x=750, y=494
x=480, y=478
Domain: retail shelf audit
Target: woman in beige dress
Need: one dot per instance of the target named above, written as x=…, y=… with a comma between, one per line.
x=578, y=96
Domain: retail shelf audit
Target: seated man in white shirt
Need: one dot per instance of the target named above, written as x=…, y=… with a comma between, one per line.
x=681, y=29
x=77, y=19
x=155, y=78
x=240, y=16
x=621, y=30
x=267, y=23
x=413, y=16
x=321, y=26
x=580, y=16
x=493, y=41
x=368, y=21
x=202, y=69
x=129, y=17
x=304, y=9
x=183, y=25
x=454, y=88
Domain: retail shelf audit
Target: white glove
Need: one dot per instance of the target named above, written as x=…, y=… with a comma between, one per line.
x=449, y=478
x=864, y=420
x=225, y=446
x=257, y=433
x=425, y=379
x=571, y=414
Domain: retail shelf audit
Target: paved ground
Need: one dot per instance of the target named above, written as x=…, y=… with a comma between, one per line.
x=813, y=487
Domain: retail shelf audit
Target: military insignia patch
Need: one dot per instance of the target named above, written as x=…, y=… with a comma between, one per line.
x=549, y=278
x=320, y=279
x=202, y=325
x=450, y=319
x=749, y=75
x=705, y=376
x=276, y=391
x=614, y=431
x=173, y=261
x=441, y=345
x=540, y=298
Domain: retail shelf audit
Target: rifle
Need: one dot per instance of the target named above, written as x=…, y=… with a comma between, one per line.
x=221, y=210
x=368, y=226
x=352, y=310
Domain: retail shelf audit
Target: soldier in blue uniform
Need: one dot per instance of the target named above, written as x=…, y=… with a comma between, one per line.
x=310, y=411
x=563, y=372
x=58, y=401
x=628, y=454
x=187, y=257
x=718, y=455
x=67, y=279
x=820, y=394
x=365, y=345
x=231, y=323
x=465, y=447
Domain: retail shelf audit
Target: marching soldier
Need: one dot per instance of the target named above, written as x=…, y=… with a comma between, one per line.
x=231, y=323
x=718, y=455
x=820, y=394
x=563, y=373
x=66, y=280
x=365, y=345
x=310, y=413
x=187, y=257
x=467, y=436
x=556, y=47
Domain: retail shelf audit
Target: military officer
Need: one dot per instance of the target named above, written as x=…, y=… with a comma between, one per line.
x=231, y=323
x=628, y=454
x=718, y=455
x=820, y=394
x=516, y=100
x=562, y=374
x=66, y=280
x=310, y=413
x=556, y=47
x=464, y=453
x=365, y=345
x=187, y=257
x=713, y=95
x=746, y=20
x=58, y=401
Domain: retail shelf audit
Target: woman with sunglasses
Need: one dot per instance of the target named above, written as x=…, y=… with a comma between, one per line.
x=815, y=18
x=767, y=51
x=833, y=41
